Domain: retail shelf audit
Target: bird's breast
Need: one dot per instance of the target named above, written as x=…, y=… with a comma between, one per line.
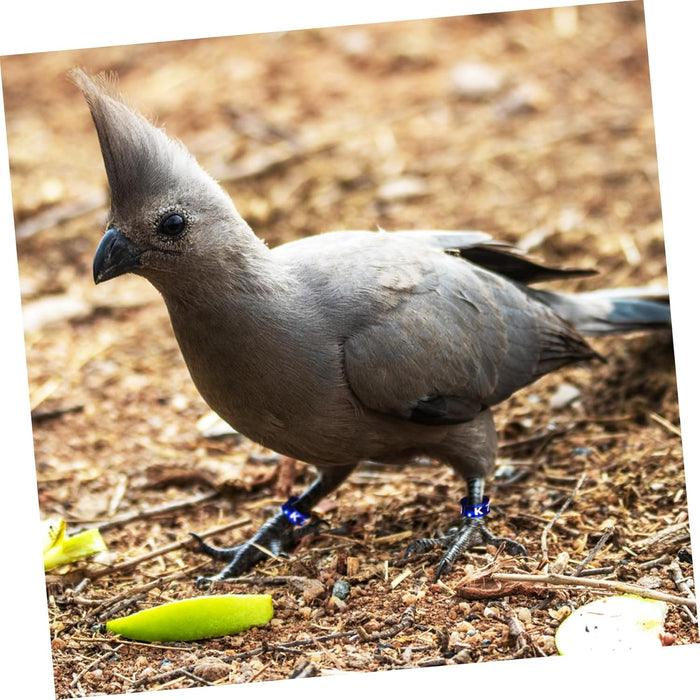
x=282, y=389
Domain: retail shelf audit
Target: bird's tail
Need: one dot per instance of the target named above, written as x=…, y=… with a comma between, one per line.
x=611, y=311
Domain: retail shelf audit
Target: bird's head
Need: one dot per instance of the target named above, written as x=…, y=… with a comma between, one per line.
x=167, y=215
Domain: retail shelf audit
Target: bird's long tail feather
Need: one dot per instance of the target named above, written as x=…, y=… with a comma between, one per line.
x=611, y=311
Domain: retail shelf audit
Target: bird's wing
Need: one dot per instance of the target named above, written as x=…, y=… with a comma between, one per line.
x=427, y=336
x=501, y=258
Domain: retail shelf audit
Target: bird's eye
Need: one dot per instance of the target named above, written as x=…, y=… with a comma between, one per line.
x=172, y=225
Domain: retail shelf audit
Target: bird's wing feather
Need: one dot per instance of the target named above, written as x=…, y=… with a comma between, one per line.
x=427, y=336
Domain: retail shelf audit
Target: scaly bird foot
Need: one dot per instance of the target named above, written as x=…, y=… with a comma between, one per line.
x=276, y=537
x=471, y=533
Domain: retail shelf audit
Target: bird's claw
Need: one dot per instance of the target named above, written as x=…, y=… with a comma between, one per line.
x=470, y=534
x=275, y=538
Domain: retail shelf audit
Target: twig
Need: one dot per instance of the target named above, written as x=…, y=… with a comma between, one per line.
x=96, y=662
x=407, y=620
x=41, y=416
x=282, y=646
x=304, y=669
x=670, y=530
x=520, y=635
x=566, y=504
x=80, y=359
x=665, y=423
x=543, y=436
x=548, y=433
x=131, y=563
x=161, y=677
x=265, y=161
x=682, y=585
x=321, y=638
x=146, y=513
x=127, y=596
x=601, y=571
x=118, y=495
x=598, y=545
x=262, y=580
x=61, y=212
x=659, y=561
x=561, y=580
x=197, y=679
x=429, y=663
x=677, y=576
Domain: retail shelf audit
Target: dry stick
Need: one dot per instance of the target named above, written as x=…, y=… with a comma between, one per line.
x=161, y=677
x=131, y=563
x=407, y=620
x=61, y=212
x=665, y=423
x=154, y=512
x=305, y=669
x=302, y=146
x=522, y=637
x=548, y=433
x=681, y=584
x=281, y=647
x=598, y=545
x=544, y=435
x=262, y=580
x=38, y=395
x=566, y=504
x=89, y=667
x=125, y=599
x=195, y=678
x=562, y=580
x=118, y=602
x=670, y=530
x=652, y=563
x=600, y=571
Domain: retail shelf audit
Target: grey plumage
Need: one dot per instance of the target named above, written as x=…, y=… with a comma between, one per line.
x=345, y=346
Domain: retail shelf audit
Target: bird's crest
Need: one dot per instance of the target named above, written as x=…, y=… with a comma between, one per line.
x=140, y=160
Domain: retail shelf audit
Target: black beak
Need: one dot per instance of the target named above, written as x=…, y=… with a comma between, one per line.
x=114, y=256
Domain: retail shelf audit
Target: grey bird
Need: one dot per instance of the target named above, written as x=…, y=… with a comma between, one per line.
x=346, y=346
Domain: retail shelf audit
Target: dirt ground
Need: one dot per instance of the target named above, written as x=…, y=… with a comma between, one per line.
x=550, y=146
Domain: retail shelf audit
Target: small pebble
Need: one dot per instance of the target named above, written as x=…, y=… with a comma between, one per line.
x=409, y=598
x=311, y=589
x=547, y=644
x=402, y=188
x=454, y=639
x=650, y=581
x=52, y=309
x=341, y=589
x=464, y=626
x=560, y=614
x=476, y=81
x=668, y=639
x=524, y=615
x=523, y=99
x=463, y=656
x=563, y=396
x=356, y=43
x=505, y=471
x=336, y=603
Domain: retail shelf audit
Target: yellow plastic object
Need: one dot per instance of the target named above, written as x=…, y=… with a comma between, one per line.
x=615, y=623
x=195, y=618
x=59, y=549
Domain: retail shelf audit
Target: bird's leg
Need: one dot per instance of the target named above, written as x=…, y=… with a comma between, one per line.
x=472, y=531
x=278, y=534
